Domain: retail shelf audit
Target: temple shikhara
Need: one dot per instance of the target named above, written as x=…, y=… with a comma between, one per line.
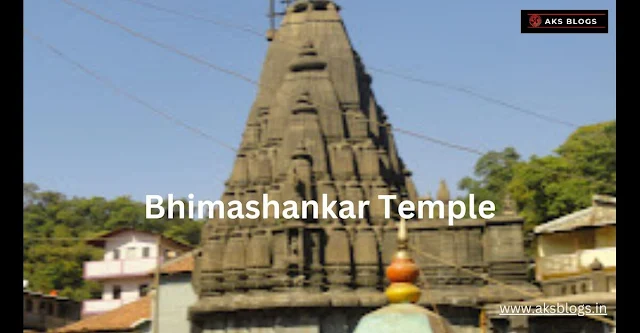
x=315, y=128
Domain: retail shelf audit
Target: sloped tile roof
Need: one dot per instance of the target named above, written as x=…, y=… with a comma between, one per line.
x=602, y=213
x=122, y=319
x=100, y=239
x=181, y=264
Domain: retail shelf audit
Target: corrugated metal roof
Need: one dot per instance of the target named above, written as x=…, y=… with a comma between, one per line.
x=602, y=213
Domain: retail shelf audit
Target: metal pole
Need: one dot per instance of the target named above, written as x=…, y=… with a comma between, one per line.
x=272, y=14
x=156, y=283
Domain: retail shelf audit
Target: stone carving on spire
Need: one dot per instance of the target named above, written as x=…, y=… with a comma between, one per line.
x=443, y=192
x=315, y=131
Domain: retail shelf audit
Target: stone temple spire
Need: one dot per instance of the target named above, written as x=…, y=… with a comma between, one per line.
x=443, y=192
x=315, y=130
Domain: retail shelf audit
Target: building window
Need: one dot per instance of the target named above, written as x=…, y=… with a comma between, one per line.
x=143, y=289
x=62, y=310
x=29, y=306
x=116, y=254
x=50, y=308
x=146, y=252
x=168, y=254
x=131, y=252
x=116, y=292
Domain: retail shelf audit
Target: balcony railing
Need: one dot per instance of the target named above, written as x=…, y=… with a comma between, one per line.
x=108, y=269
x=575, y=263
x=95, y=306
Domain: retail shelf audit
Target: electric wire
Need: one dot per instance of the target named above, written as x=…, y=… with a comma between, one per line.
x=256, y=83
x=125, y=93
x=179, y=122
x=227, y=71
x=433, y=83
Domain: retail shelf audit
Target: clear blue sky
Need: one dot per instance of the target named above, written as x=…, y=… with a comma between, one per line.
x=82, y=139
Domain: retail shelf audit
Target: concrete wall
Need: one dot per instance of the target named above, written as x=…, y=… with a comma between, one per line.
x=558, y=243
x=606, y=236
x=176, y=295
x=129, y=289
x=131, y=245
x=570, y=242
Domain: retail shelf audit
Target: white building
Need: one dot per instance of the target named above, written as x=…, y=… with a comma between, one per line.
x=124, y=272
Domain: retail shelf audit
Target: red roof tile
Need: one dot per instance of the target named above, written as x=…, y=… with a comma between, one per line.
x=182, y=264
x=118, y=320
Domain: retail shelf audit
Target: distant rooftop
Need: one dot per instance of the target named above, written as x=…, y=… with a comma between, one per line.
x=123, y=319
x=601, y=213
x=101, y=239
x=44, y=295
x=182, y=264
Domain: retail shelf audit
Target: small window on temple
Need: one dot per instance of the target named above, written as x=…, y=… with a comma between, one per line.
x=573, y=289
x=299, y=8
x=320, y=5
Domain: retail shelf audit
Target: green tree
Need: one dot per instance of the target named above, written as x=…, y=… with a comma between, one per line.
x=493, y=171
x=548, y=187
x=55, y=230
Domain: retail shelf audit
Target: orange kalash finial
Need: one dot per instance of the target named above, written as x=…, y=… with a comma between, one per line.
x=402, y=272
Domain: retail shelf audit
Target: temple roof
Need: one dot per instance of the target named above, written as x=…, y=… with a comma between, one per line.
x=403, y=318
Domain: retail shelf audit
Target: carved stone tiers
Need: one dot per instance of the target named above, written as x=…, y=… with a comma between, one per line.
x=315, y=128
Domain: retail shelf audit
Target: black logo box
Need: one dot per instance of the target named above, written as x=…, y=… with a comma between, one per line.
x=564, y=21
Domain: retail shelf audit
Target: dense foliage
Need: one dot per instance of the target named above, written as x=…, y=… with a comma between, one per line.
x=544, y=188
x=55, y=229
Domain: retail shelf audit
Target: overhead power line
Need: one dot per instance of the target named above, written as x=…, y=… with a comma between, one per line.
x=123, y=92
x=136, y=99
x=433, y=83
x=254, y=82
x=227, y=71
x=486, y=98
